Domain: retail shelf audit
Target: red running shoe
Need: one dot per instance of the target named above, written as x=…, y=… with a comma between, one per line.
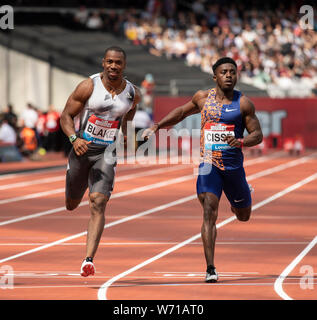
x=87, y=268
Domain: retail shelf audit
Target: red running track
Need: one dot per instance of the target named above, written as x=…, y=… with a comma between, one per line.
x=151, y=245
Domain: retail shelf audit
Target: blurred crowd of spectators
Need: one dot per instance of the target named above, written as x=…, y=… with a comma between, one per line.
x=31, y=134
x=77, y=3
x=269, y=45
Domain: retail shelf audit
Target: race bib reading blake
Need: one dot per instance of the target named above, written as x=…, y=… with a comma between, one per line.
x=215, y=134
x=100, y=131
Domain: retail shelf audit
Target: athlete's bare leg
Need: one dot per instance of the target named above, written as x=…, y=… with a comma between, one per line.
x=97, y=203
x=72, y=204
x=210, y=203
x=243, y=214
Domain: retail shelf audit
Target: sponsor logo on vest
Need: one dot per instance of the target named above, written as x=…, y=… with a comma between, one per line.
x=229, y=110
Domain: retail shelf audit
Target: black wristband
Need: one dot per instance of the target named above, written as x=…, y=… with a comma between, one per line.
x=72, y=138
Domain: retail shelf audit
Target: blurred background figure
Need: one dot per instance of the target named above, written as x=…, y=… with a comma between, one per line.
x=7, y=133
x=294, y=146
x=28, y=138
x=52, y=126
x=259, y=149
x=142, y=120
x=147, y=90
x=29, y=117
x=41, y=130
x=94, y=22
x=10, y=116
x=80, y=17
x=8, y=139
x=299, y=147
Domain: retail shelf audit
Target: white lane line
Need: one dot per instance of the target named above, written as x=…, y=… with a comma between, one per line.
x=162, y=207
x=287, y=190
x=278, y=285
x=132, y=176
x=132, y=217
x=151, y=172
x=280, y=167
x=25, y=174
x=250, y=162
x=114, y=223
x=42, y=287
x=203, y=273
x=33, y=244
x=62, y=177
x=31, y=183
x=63, y=168
x=138, y=165
x=252, y=284
x=118, y=179
x=158, y=275
x=203, y=284
x=32, y=196
x=102, y=292
x=121, y=178
x=114, y=196
x=162, y=170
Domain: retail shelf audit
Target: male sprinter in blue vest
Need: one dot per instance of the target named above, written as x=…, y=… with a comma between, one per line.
x=225, y=114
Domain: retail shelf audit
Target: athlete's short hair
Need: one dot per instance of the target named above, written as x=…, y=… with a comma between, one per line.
x=117, y=49
x=222, y=61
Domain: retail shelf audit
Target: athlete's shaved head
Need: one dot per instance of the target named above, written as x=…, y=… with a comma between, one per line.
x=222, y=61
x=117, y=49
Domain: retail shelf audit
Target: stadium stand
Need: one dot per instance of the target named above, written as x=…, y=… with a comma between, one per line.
x=173, y=42
x=273, y=52
x=170, y=76
x=67, y=49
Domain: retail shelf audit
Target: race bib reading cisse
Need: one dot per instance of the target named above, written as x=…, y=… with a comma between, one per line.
x=215, y=134
x=100, y=131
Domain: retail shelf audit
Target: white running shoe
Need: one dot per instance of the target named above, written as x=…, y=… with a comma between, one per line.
x=87, y=268
x=211, y=274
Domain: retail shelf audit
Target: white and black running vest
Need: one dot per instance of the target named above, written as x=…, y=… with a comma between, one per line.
x=101, y=117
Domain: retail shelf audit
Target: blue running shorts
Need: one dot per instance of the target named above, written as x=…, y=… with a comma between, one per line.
x=232, y=182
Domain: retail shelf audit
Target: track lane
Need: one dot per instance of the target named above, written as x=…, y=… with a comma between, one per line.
x=137, y=230
x=167, y=290
x=12, y=207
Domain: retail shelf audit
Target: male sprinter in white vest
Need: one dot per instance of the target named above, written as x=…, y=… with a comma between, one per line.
x=105, y=102
x=225, y=113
